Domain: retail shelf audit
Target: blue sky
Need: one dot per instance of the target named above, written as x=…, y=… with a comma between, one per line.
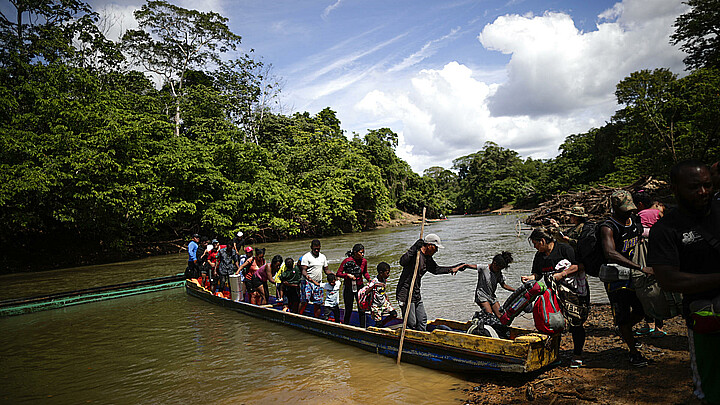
x=448, y=76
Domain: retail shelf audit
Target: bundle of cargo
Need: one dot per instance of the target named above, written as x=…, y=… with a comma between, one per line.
x=595, y=201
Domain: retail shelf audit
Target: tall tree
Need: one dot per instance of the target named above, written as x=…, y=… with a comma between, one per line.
x=248, y=87
x=698, y=31
x=173, y=40
x=42, y=29
x=649, y=119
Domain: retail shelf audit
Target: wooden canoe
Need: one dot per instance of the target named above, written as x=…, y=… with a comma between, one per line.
x=458, y=352
x=44, y=302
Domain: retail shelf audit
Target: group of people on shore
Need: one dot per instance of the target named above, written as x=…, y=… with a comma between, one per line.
x=681, y=249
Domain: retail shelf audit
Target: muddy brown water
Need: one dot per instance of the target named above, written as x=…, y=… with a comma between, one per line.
x=167, y=347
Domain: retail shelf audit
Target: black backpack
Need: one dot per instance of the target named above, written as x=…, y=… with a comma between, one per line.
x=589, y=250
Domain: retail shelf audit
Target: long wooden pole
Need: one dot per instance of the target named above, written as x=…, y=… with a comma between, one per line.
x=410, y=293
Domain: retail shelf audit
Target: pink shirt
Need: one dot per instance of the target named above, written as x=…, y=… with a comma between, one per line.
x=260, y=272
x=648, y=218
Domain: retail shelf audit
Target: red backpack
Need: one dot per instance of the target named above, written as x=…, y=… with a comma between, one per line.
x=365, y=297
x=519, y=299
x=547, y=314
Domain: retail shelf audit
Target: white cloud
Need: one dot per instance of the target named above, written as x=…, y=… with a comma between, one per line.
x=556, y=68
x=444, y=115
x=559, y=81
x=426, y=51
x=330, y=8
x=115, y=19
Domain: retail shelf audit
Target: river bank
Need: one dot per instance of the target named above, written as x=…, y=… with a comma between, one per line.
x=607, y=377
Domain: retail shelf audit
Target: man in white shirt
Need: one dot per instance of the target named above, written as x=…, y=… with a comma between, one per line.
x=313, y=265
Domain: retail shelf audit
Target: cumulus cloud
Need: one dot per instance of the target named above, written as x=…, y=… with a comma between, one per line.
x=444, y=115
x=556, y=68
x=559, y=81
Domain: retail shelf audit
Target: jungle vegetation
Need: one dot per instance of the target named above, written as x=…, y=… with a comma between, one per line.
x=97, y=160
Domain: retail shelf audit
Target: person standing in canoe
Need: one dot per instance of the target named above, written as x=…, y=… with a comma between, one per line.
x=313, y=265
x=227, y=265
x=193, y=270
x=290, y=279
x=353, y=269
x=417, y=318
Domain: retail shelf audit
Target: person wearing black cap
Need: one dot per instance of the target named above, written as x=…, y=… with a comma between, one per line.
x=192, y=270
x=417, y=318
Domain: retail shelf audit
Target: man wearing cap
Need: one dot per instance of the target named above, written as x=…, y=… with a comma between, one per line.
x=238, y=242
x=417, y=318
x=578, y=217
x=619, y=236
x=192, y=270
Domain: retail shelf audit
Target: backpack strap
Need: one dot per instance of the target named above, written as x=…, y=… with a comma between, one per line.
x=708, y=236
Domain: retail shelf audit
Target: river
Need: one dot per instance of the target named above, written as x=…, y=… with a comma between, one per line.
x=167, y=347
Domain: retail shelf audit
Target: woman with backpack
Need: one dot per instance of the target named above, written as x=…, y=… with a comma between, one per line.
x=353, y=269
x=556, y=263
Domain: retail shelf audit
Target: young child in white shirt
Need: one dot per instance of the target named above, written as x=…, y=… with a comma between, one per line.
x=332, y=298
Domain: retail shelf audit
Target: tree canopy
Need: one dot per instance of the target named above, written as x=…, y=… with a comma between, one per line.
x=98, y=160
x=698, y=32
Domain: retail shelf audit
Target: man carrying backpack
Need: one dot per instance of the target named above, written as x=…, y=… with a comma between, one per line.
x=684, y=253
x=578, y=219
x=619, y=236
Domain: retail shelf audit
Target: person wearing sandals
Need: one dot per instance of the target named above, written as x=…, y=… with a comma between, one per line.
x=556, y=264
x=649, y=213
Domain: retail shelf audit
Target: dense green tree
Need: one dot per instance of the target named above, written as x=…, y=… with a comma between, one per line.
x=584, y=159
x=664, y=120
x=489, y=178
x=42, y=30
x=172, y=41
x=698, y=32
x=446, y=183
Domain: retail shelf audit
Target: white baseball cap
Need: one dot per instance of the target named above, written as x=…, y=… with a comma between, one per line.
x=433, y=239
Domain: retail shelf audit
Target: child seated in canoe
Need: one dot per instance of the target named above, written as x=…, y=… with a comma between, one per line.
x=381, y=306
x=332, y=298
x=489, y=277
